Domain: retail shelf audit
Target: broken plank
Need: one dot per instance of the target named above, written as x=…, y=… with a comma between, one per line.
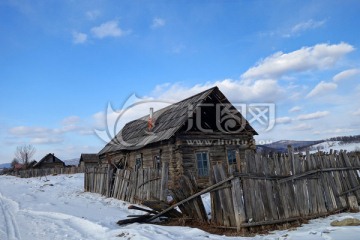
x=160, y=205
x=142, y=209
x=140, y=219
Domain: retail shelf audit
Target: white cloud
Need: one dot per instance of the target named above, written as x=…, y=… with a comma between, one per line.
x=304, y=26
x=157, y=23
x=321, y=88
x=41, y=134
x=346, y=74
x=178, y=48
x=301, y=127
x=70, y=120
x=87, y=132
x=338, y=130
x=320, y=56
x=79, y=37
x=108, y=29
x=67, y=128
x=356, y=112
x=266, y=90
x=315, y=115
x=283, y=120
x=29, y=131
x=46, y=140
x=92, y=15
x=295, y=109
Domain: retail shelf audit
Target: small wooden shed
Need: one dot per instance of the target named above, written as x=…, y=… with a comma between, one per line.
x=89, y=160
x=191, y=135
x=49, y=161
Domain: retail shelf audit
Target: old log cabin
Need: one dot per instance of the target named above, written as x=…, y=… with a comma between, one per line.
x=191, y=135
x=49, y=161
x=88, y=160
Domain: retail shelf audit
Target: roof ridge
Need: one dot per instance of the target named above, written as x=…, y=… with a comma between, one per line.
x=212, y=88
x=174, y=104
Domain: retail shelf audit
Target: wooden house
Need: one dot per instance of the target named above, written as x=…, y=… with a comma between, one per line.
x=49, y=161
x=191, y=135
x=89, y=160
x=31, y=164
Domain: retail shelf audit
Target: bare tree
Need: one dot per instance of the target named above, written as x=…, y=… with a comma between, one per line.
x=24, y=153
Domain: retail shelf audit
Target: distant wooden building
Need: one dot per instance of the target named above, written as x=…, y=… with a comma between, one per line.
x=19, y=166
x=191, y=135
x=49, y=161
x=89, y=160
x=31, y=164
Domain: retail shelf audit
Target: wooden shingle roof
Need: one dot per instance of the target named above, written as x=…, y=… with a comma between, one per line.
x=89, y=158
x=169, y=120
x=49, y=158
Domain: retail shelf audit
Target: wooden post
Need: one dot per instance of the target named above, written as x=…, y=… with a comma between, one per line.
x=237, y=197
x=291, y=156
x=164, y=181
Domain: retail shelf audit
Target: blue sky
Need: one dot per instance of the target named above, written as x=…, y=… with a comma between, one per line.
x=62, y=62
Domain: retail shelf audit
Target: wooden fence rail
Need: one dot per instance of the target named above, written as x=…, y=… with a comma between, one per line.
x=47, y=171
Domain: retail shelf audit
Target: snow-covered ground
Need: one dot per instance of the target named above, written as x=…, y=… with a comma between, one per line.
x=59, y=209
x=335, y=145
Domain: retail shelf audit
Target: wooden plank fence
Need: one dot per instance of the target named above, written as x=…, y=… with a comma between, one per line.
x=34, y=172
x=267, y=190
x=283, y=188
x=128, y=185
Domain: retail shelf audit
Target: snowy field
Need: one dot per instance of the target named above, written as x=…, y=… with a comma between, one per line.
x=57, y=208
x=334, y=145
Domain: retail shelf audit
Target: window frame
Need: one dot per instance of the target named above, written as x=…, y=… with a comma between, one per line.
x=234, y=155
x=138, y=161
x=157, y=161
x=203, y=172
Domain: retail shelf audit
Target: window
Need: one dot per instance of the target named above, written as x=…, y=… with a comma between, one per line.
x=138, y=161
x=231, y=153
x=202, y=164
x=157, y=162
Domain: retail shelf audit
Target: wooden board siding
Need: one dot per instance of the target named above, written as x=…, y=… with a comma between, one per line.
x=51, y=165
x=181, y=154
x=167, y=151
x=216, y=145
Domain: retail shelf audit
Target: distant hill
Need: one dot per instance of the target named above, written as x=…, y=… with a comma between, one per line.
x=73, y=161
x=349, y=143
x=282, y=145
x=5, y=165
x=335, y=145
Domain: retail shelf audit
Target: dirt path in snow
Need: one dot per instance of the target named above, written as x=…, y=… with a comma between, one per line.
x=10, y=228
x=17, y=224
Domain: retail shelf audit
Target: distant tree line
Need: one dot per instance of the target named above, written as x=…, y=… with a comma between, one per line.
x=346, y=139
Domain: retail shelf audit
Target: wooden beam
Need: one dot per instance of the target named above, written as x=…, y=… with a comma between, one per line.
x=350, y=190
